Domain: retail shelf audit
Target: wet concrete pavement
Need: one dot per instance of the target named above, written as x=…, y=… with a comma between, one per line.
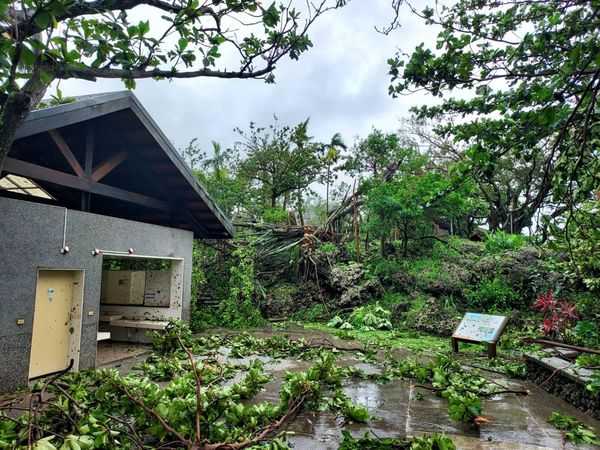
x=517, y=422
x=109, y=352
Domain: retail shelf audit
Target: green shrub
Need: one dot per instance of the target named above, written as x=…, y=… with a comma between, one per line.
x=328, y=248
x=313, y=314
x=371, y=317
x=495, y=294
x=365, y=318
x=593, y=384
x=275, y=215
x=202, y=318
x=587, y=304
x=444, y=251
x=500, y=242
x=438, y=277
x=386, y=269
x=390, y=299
x=429, y=269
x=586, y=333
x=239, y=310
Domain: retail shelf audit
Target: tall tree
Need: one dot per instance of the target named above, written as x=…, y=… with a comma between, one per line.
x=331, y=152
x=510, y=190
x=218, y=174
x=280, y=160
x=374, y=154
x=532, y=70
x=374, y=159
x=41, y=41
x=217, y=162
x=409, y=204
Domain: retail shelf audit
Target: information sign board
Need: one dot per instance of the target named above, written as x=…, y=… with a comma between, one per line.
x=475, y=327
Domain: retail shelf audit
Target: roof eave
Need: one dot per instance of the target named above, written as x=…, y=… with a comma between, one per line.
x=63, y=115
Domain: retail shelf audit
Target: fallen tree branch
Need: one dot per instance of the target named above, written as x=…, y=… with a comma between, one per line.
x=482, y=394
x=156, y=415
x=326, y=343
x=33, y=412
x=266, y=432
x=549, y=343
x=198, y=378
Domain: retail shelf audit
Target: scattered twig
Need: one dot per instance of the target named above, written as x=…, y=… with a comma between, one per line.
x=483, y=394
x=326, y=343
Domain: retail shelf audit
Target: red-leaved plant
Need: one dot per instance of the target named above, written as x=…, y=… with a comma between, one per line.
x=558, y=316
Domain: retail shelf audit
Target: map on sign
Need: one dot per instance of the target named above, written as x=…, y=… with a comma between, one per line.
x=480, y=327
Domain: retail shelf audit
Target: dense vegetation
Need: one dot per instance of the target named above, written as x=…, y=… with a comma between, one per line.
x=411, y=238
x=486, y=201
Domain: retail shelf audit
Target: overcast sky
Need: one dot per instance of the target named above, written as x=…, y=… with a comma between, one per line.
x=341, y=84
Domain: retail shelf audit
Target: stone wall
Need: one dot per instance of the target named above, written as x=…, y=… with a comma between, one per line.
x=557, y=381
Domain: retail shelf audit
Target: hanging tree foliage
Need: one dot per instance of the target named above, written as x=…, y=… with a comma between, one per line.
x=533, y=73
x=41, y=41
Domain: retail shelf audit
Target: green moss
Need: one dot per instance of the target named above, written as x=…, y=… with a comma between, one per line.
x=315, y=313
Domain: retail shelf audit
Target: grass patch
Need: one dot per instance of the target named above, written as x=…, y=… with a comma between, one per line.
x=416, y=342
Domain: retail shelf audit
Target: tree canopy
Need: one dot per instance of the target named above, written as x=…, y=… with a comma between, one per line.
x=280, y=160
x=41, y=41
x=532, y=70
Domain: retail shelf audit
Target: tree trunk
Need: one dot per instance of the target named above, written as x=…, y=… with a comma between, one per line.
x=327, y=194
x=356, y=225
x=285, y=200
x=14, y=112
x=300, y=208
x=273, y=199
x=15, y=109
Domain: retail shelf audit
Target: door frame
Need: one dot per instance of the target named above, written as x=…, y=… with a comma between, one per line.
x=76, y=313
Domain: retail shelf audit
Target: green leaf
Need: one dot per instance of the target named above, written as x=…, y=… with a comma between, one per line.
x=27, y=56
x=270, y=16
x=43, y=20
x=182, y=44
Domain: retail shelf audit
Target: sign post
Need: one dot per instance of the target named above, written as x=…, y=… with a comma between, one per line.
x=476, y=328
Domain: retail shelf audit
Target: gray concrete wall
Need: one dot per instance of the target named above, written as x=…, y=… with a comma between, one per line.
x=31, y=237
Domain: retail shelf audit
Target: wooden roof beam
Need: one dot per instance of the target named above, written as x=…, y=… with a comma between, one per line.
x=107, y=166
x=83, y=184
x=67, y=153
